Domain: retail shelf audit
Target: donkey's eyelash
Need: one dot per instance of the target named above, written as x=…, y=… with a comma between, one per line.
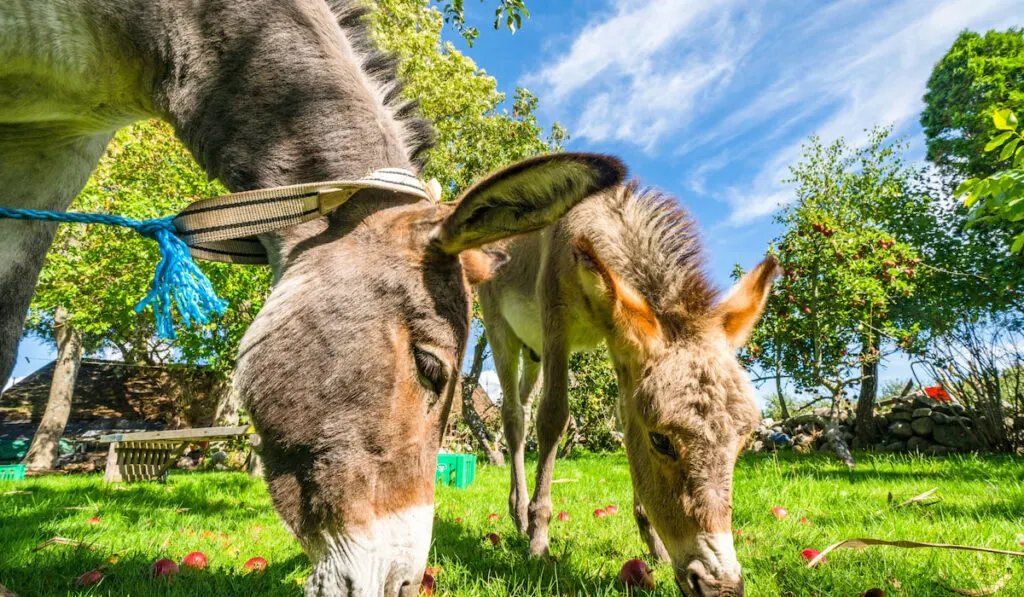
x=430, y=368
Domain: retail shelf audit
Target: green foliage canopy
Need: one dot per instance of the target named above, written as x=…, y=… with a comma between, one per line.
x=979, y=75
x=845, y=271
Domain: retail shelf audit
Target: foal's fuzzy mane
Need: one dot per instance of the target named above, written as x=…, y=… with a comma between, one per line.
x=649, y=239
x=383, y=69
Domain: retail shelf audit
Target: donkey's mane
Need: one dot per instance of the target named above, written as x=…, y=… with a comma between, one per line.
x=382, y=68
x=649, y=239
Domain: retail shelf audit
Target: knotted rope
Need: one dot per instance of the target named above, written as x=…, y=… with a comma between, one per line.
x=177, y=278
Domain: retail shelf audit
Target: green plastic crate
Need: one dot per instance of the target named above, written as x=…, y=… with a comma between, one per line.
x=13, y=472
x=458, y=470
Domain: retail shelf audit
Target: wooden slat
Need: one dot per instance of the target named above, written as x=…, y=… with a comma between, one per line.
x=197, y=434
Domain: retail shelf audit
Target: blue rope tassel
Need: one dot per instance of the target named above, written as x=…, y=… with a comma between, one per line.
x=177, y=279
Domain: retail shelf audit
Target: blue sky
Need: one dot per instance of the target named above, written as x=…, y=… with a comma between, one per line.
x=710, y=99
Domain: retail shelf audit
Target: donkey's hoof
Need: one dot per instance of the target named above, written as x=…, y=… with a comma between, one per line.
x=539, y=549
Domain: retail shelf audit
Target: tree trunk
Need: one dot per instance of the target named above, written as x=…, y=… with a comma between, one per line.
x=228, y=404
x=834, y=435
x=865, y=427
x=778, y=381
x=469, y=383
x=42, y=454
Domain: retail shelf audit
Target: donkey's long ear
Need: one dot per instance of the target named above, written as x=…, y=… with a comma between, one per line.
x=526, y=196
x=742, y=307
x=633, y=314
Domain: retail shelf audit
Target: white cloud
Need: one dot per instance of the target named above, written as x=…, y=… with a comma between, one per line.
x=876, y=76
x=489, y=382
x=751, y=80
x=644, y=68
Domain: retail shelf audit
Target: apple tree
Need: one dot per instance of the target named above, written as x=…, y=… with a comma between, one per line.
x=829, y=321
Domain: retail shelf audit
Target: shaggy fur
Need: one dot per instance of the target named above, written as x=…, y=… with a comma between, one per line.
x=625, y=267
x=348, y=371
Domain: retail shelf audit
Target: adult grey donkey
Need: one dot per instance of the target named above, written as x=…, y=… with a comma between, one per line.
x=349, y=369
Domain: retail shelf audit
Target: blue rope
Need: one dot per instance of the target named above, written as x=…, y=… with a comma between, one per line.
x=177, y=279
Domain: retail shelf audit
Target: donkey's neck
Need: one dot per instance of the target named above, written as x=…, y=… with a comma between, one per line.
x=278, y=93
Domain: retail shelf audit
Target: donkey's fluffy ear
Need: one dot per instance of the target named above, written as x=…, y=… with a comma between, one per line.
x=481, y=264
x=742, y=307
x=633, y=314
x=526, y=196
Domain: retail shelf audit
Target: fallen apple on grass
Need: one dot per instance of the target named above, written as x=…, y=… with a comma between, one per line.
x=427, y=585
x=810, y=554
x=95, y=520
x=494, y=539
x=493, y=516
x=803, y=520
x=611, y=509
x=164, y=568
x=196, y=559
x=256, y=564
x=600, y=513
x=89, y=578
x=636, y=573
x=780, y=513
x=563, y=516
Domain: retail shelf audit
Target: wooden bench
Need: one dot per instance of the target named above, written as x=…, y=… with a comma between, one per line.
x=148, y=455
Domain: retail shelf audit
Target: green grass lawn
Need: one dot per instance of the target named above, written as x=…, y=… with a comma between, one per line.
x=230, y=518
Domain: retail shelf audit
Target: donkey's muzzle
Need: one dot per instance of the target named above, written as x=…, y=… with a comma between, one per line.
x=695, y=585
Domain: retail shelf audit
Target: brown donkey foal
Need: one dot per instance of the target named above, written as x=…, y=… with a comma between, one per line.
x=625, y=267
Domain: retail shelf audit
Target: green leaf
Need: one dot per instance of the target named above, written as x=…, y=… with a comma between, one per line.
x=1018, y=243
x=998, y=140
x=1001, y=119
x=966, y=186
x=1008, y=149
x=1018, y=159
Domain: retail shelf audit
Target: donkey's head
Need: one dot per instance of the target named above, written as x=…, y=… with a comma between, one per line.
x=686, y=405
x=350, y=368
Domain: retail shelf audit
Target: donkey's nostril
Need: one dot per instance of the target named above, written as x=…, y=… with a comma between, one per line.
x=693, y=579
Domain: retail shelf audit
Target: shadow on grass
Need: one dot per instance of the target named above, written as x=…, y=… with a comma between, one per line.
x=468, y=548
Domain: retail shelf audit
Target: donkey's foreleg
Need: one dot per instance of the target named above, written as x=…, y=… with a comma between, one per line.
x=35, y=173
x=647, y=533
x=528, y=380
x=552, y=418
x=505, y=347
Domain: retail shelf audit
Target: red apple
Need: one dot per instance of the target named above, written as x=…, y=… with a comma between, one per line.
x=494, y=539
x=780, y=513
x=427, y=585
x=611, y=509
x=433, y=570
x=636, y=573
x=196, y=559
x=599, y=513
x=89, y=578
x=458, y=521
x=563, y=516
x=493, y=516
x=256, y=564
x=95, y=520
x=803, y=520
x=810, y=554
x=164, y=567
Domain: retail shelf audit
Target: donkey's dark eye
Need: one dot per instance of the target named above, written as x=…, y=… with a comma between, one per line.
x=664, y=445
x=429, y=370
